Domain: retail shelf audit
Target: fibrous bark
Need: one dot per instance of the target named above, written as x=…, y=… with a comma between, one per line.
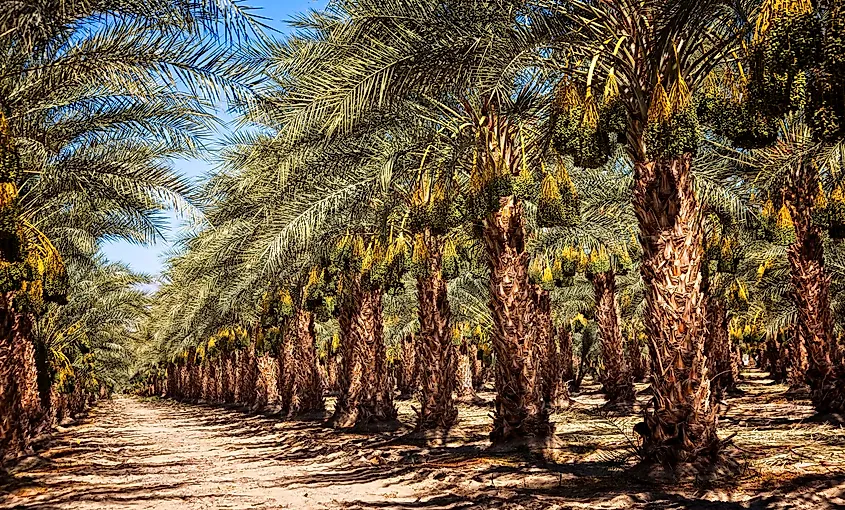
x=434, y=344
x=775, y=364
x=228, y=378
x=20, y=403
x=520, y=411
x=408, y=378
x=365, y=398
x=638, y=364
x=465, y=388
x=797, y=360
x=547, y=352
x=680, y=426
x=567, y=364
x=719, y=350
x=306, y=392
x=616, y=378
x=811, y=292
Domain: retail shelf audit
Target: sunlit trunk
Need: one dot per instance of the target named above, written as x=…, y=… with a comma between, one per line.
x=680, y=426
x=434, y=344
x=20, y=403
x=266, y=385
x=306, y=391
x=465, y=387
x=811, y=292
x=546, y=350
x=616, y=377
x=519, y=409
x=365, y=398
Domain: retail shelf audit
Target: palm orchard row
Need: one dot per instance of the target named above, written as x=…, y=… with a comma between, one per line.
x=502, y=162
x=512, y=167
x=88, y=125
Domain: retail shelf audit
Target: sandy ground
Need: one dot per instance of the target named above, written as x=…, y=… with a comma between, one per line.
x=134, y=453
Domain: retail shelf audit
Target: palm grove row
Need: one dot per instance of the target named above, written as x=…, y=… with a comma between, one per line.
x=454, y=187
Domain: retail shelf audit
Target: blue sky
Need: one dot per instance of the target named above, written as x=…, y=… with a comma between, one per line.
x=149, y=259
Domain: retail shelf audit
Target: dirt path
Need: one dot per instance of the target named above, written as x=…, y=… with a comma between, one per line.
x=132, y=453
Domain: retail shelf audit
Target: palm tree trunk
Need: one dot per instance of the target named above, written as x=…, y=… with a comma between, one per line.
x=285, y=361
x=567, y=365
x=365, y=398
x=14, y=407
x=409, y=377
x=797, y=358
x=584, y=362
x=520, y=411
x=638, y=364
x=436, y=353
x=332, y=384
x=774, y=363
x=719, y=351
x=545, y=345
x=465, y=387
x=681, y=426
x=616, y=379
x=307, y=392
x=228, y=378
x=811, y=293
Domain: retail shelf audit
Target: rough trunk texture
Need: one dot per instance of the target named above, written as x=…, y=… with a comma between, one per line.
x=558, y=396
x=20, y=403
x=228, y=378
x=408, y=378
x=546, y=350
x=365, y=398
x=520, y=411
x=719, y=350
x=266, y=386
x=638, y=364
x=285, y=361
x=248, y=376
x=306, y=394
x=774, y=363
x=478, y=368
x=465, y=387
x=434, y=344
x=616, y=378
x=811, y=293
x=680, y=425
x=332, y=363
x=567, y=363
x=797, y=360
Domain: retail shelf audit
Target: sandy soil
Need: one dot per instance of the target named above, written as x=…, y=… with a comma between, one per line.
x=147, y=453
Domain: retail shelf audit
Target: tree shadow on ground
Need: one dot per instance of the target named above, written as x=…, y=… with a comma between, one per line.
x=454, y=471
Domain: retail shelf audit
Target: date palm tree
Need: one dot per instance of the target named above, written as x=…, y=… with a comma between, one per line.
x=480, y=59
x=86, y=128
x=642, y=62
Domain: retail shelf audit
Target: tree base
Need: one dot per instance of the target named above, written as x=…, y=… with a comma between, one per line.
x=797, y=392
x=548, y=448
x=473, y=400
x=827, y=391
x=351, y=421
x=437, y=437
x=723, y=468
